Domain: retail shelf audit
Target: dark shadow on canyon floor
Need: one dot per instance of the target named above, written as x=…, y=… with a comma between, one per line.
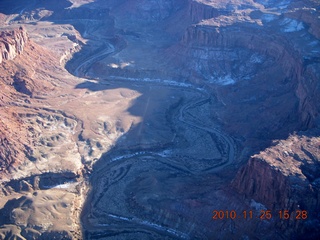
x=150, y=185
x=149, y=190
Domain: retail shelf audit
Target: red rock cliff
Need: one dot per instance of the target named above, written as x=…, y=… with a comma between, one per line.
x=205, y=40
x=286, y=177
x=12, y=43
x=274, y=46
x=24, y=72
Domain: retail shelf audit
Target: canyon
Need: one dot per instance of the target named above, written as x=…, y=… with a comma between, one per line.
x=139, y=119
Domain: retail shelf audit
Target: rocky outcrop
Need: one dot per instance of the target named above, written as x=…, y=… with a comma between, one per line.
x=285, y=95
x=8, y=152
x=276, y=47
x=308, y=93
x=199, y=11
x=150, y=11
x=239, y=49
x=266, y=184
x=286, y=177
x=29, y=74
x=154, y=10
x=12, y=43
x=308, y=14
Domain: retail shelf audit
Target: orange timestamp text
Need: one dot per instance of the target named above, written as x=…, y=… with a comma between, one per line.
x=262, y=214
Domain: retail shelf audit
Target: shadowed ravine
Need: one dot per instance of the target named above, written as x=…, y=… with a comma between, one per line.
x=142, y=119
x=132, y=189
x=136, y=192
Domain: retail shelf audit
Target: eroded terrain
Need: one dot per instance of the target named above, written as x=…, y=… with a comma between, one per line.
x=137, y=119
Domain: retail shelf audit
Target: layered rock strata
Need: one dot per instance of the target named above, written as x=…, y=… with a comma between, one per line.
x=263, y=80
x=12, y=43
x=199, y=11
x=274, y=69
x=286, y=177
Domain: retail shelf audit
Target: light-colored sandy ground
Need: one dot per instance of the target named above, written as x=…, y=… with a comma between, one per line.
x=71, y=127
x=122, y=153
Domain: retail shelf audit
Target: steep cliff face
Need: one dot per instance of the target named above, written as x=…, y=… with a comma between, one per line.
x=286, y=177
x=210, y=37
x=150, y=11
x=24, y=74
x=276, y=175
x=10, y=151
x=308, y=14
x=12, y=43
x=308, y=93
x=241, y=47
x=259, y=62
x=260, y=181
x=251, y=70
x=268, y=84
x=199, y=11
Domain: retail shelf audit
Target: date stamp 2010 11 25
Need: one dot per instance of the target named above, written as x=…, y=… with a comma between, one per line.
x=262, y=214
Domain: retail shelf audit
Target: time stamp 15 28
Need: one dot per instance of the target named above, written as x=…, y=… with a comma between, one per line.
x=261, y=214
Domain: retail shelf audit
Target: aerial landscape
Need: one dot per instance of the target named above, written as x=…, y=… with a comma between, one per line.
x=160, y=119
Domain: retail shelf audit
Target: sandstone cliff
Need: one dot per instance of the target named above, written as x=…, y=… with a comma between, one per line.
x=269, y=88
x=260, y=65
x=12, y=43
x=286, y=177
x=235, y=48
x=25, y=73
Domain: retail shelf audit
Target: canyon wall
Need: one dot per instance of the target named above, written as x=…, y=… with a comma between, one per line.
x=9, y=152
x=256, y=40
x=12, y=43
x=26, y=73
x=286, y=177
x=198, y=11
x=263, y=84
x=284, y=75
x=240, y=47
x=285, y=182
x=263, y=183
x=249, y=71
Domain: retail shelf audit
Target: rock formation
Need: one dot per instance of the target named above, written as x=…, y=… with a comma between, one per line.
x=286, y=177
x=173, y=108
x=12, y=43
x=199, y=11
